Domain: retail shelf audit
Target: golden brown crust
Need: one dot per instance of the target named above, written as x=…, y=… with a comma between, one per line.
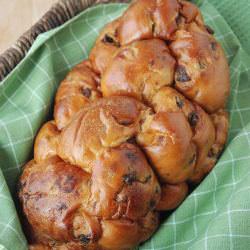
x=167, y=140
x=125, y=234
x=221, y=126
x=79, y=88
x=105, y=47
x=65, y=204
x=202, y=73
x=204, y=138
x=189, y=13
x=139, y=70
x=147, y=19
x=105, y=123
x=46, y=142
x=50, y=195
x=124, y=185
x=203, y=129
x=172, y=196
x=136, y=23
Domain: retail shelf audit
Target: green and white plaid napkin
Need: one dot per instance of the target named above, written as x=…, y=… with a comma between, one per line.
x=217, y=214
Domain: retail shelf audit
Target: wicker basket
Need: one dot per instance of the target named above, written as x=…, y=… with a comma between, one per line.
x=57, y=15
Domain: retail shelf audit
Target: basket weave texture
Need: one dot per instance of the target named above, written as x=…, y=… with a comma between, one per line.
x=57, y=15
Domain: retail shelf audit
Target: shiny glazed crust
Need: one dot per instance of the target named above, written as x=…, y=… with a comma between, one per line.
x=134, y=126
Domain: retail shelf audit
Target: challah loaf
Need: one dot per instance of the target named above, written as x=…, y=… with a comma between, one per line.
x=134, y=125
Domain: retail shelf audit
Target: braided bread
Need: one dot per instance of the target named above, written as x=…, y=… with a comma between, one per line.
x=134, y=126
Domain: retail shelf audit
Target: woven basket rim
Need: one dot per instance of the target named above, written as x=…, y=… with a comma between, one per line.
x=58, y=14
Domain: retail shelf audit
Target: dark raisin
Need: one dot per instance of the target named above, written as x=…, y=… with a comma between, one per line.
x=66, y=184
x=192, y=160
x=179, y=102
x=108, y=39
x=193, y=119
x=132, y=140
x=167, y=42
x=122, y=121
x=209, y=29
x=178, y=19
x=211, y=153
x=213, y=46
x=84, y=239
x=152, y=203
x=153, y=28
x=70, y=179
x=131, y=156
x=62, y=206
x=181, y=74
x=37, y=197
x=129, y=178
x=157, y=190
x=147, y=179
x=69, y=184
x=125, y=122
x=86, y=92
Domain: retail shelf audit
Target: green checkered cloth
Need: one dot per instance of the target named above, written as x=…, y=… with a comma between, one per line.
x=216, y=215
